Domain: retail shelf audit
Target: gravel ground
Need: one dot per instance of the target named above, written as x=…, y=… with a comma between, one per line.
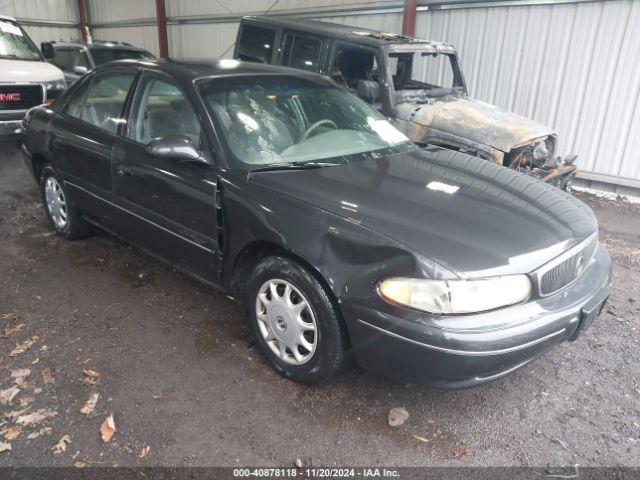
x=178, y=371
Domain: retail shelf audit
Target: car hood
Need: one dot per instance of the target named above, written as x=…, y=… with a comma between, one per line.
x=18, y=71
x=468, y=215
x=474, y=120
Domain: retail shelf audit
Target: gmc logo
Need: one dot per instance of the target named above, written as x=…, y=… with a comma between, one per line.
x=10, y=97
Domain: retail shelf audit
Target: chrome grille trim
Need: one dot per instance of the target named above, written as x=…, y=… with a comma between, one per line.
x=559, y=266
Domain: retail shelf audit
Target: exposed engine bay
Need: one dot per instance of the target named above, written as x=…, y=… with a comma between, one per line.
x=538, y=160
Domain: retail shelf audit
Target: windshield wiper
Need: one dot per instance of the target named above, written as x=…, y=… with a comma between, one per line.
x=270, y=167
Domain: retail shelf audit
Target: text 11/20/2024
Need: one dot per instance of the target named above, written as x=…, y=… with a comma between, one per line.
x=316, y=472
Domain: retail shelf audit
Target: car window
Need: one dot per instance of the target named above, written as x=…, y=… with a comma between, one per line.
x=80, y=58
x=352, y=64
x=161, y=110
x=68, y=58
x=302, y=52
x=419, y=70
x=102, y=101
x=256, y=44
x=63, y=59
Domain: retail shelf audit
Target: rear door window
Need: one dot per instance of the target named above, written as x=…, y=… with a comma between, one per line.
x=256, y=44
x=102, y=103
x=351, y=64
x=302, y=52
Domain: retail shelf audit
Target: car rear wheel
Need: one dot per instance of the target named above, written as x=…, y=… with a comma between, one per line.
x=64, y=217
x=295, y=322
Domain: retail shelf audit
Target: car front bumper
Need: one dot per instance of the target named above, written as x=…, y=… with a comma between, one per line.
x=468, y=354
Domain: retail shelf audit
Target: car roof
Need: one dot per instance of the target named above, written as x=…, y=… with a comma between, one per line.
x=366, y=36
x=196, y=69
x=6, y=17
x=96, y=44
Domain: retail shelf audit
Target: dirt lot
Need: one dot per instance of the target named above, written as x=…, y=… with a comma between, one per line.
x=179, y=373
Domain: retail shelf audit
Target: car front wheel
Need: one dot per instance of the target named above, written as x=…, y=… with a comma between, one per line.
x=295, y=322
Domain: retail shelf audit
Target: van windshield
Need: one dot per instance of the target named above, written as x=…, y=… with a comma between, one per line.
x=284, y=120
x=15, y=44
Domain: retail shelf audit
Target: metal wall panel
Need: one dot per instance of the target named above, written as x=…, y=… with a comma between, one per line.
x=56, y=10
x=46, y=11
x=46, y=34
x=202, y=40
x=101, y=11
x=388, y=22
x=145, y=36
x=222, y=7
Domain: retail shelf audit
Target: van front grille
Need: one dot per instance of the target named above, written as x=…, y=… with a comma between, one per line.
x=20, y=97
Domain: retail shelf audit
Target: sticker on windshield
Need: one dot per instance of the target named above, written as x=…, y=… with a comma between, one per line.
x=10, y=28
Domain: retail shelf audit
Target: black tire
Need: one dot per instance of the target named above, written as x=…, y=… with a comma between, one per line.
x=74, y=226
x=330, y=355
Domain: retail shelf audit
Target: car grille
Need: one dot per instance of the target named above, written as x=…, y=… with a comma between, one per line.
x=20, y=97
x=561, y=272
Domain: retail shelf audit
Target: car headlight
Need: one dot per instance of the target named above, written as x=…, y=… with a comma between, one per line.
x=55, y=89
x=540, y=152
x=456, y=296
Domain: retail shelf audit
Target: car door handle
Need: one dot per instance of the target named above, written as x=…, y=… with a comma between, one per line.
x=123, y=171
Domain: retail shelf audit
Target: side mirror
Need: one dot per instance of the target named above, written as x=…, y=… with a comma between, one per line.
x=369, y=91
x=175, y=147
x=80, y=70
x=47, y=50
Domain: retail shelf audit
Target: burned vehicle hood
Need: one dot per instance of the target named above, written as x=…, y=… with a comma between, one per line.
x=468, y=215
x=473, y=120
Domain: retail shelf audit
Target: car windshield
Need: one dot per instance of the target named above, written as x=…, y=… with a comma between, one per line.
x=105, y=55
x=15, y=44
x=280, y=120
x=427, y=71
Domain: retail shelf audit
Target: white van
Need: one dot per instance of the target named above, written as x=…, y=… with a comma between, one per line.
x=26, y=79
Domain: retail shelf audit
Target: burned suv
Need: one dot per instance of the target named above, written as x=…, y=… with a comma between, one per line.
x=416, y=82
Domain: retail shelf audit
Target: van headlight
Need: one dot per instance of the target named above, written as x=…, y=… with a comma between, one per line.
x=456, y=296
x=54, y=89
